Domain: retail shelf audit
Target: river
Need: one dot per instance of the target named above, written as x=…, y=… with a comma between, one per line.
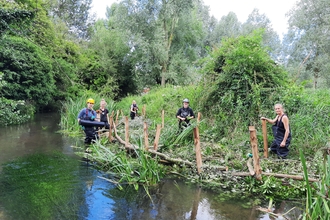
x=41, y=177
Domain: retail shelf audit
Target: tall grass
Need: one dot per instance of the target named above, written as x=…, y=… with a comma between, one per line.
x=317, y=201
x=71, y=109
x=139, y=169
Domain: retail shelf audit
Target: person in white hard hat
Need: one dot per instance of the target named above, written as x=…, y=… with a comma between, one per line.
x=185, y=114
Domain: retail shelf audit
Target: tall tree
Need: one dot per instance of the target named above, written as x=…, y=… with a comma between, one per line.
x=75, y=14
x=307, y=42
x=153, y=29
x=271, y=39
x=228, y=26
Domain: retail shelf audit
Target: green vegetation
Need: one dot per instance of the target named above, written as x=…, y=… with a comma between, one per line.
x=54, y=57
x=42, y=186
x=317, y=201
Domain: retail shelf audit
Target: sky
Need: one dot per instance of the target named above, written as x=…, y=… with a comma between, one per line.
x=274, y=10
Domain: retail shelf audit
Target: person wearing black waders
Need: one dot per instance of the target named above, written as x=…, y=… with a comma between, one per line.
x=134, y=109
x=104, y=113
x=185, y=114
x=87, y=115
x=281, y=132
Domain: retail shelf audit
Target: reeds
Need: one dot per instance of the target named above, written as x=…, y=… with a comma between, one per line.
x=140, y=168
x=71, y=109
x=317, y=195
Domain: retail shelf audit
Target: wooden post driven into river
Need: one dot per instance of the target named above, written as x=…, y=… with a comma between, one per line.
x=198, y=147
x=264, y=135
x=159, y=127
x=126, y=131
x=117, y=117
x=110, y=127
x=163, y=115
x=146, y=141
x=255, y=152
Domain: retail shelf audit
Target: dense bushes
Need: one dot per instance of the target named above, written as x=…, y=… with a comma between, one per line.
x=27, y=71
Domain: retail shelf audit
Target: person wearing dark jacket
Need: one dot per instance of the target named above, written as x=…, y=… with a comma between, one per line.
x=281, y=132
x=185, y=114
x=88, y=114
x=104, y=113
x=134, y=109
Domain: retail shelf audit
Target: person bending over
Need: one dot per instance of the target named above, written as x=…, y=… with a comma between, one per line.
x=281, y=132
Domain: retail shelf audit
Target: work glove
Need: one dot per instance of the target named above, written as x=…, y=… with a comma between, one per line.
x=92, y=118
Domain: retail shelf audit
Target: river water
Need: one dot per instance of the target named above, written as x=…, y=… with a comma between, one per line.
x=42, y=178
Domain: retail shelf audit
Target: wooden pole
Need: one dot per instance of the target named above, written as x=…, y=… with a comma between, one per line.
x=159, y=127
x=146, y=141
x=110, y=120
x=198, y=117
x=255, y=152
x=163, y=114
x=126, y=132
x=198, y=150
x=264, y=135
x=144, y=111
x=117, y=117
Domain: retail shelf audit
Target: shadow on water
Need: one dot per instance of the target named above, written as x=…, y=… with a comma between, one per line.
x=41, y=178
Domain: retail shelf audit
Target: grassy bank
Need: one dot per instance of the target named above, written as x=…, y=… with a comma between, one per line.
x=308, y=111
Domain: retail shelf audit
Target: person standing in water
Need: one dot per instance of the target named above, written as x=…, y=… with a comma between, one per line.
x=281, y=132
x=90, y=115
x=104, y=113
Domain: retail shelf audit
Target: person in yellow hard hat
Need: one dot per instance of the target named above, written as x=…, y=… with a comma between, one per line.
x=88, y=114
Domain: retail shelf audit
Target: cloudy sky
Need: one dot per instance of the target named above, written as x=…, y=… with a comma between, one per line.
x=274, y=10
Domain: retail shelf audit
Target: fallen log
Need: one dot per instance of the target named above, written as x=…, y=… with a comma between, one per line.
x=279, y=175
x=164, y=156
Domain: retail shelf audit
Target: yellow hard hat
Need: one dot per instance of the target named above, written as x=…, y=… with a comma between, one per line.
x=90, y=100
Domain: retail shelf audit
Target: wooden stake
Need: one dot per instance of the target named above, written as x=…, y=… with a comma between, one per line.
x=144, y=111
x=264, y=135
x=117, y=117
x=198, y=117
x=146, y=141
x=159, y=127
x=163, y=114
x=126, y=132
x=255, y=152
x=198, y=150
x=110, y=127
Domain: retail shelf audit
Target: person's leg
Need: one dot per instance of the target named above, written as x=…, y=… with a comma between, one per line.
x=88, y=140
x=273, y=147
x=283, y=151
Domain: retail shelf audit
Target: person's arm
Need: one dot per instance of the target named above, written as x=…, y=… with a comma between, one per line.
x=285, y=121
x=81, y=114
x=272, y=121
x=132, y=108
x=192, y=115
x=178, y=115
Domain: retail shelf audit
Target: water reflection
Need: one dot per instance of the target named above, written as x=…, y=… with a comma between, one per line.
x=39, y=135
